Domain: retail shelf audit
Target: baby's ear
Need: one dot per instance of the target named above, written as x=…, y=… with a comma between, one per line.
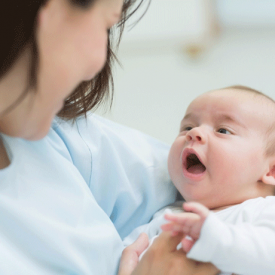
x=269, y=176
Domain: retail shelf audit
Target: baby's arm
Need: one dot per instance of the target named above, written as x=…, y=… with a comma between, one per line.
x=246, y=246
x=190, y=223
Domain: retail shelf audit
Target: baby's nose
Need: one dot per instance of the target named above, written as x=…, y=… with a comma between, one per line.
x=195, y=135
x=189, y=138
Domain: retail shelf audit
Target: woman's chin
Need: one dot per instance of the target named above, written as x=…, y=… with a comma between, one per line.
x=37, y=133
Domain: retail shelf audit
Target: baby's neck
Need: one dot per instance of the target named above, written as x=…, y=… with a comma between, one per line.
x=217, y=209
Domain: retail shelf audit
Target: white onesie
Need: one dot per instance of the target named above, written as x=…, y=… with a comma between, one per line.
x=239, y=239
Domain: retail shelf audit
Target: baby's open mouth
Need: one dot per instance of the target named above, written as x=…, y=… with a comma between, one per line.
x=193, y=165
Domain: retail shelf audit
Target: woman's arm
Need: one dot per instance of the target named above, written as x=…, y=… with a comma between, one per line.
x=162, y=258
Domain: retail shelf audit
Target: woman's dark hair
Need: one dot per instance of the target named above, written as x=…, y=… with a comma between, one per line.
x=18, y=24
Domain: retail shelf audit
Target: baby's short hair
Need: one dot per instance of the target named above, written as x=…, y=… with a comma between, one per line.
x=270, y=132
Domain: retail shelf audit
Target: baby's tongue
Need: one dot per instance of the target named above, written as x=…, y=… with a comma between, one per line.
x=196, y=169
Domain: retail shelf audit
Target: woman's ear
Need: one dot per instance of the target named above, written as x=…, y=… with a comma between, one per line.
x=269, y=176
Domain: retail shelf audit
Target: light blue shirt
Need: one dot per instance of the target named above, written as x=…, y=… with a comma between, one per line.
x=68, y=200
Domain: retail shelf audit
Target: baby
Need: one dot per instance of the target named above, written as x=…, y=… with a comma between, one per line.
x=223, y=164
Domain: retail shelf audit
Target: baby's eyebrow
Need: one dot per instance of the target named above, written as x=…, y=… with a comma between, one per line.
x=190, y=115
x=187, y=116
x=230, y=118
x=219, y=117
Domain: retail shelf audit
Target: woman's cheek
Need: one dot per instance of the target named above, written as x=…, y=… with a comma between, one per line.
x=98, y=57
x=100, y=62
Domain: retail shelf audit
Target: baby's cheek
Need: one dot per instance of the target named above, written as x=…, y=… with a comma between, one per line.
x=222, y=169
x=174, y=162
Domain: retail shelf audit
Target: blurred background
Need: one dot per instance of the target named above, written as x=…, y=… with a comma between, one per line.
x=183, y=48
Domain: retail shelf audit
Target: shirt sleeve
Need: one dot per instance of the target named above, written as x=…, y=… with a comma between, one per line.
x=125, y=169
x=245, y=248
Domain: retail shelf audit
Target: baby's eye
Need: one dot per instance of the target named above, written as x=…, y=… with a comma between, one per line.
x=224, y=131
x=186, y=128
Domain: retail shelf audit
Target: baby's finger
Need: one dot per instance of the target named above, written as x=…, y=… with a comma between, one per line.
x=174, y=233
x=171, y=217
x=167, y=227
x=175, y=228
x=187, y=244
x=197, y=208
x=180, y=218
x=171, y=227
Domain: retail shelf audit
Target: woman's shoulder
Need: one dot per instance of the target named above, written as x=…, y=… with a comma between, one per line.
x=99, y=135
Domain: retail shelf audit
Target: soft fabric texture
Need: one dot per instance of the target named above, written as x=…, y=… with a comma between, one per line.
x=67, y=200
x=239, y=239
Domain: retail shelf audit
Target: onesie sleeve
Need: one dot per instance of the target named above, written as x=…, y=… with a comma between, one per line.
x=244, y=248
x=125, y=169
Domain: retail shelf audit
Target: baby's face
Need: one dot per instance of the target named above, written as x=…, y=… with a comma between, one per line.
x=218, y=157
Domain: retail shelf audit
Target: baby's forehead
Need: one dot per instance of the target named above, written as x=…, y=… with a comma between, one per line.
x=244, y=93
x=238, y=102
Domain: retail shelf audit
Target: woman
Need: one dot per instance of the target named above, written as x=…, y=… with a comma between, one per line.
x=71, y=191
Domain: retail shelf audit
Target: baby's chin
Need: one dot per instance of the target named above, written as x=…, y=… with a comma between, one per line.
x=190, y=194
x=207, y=201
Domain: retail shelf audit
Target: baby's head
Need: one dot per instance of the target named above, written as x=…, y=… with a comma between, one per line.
x=225, y=151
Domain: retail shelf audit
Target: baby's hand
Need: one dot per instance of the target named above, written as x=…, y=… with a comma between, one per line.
x=188, y=223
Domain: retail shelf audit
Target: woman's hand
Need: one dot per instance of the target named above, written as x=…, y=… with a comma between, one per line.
x=130, y=255
x=162, y=258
